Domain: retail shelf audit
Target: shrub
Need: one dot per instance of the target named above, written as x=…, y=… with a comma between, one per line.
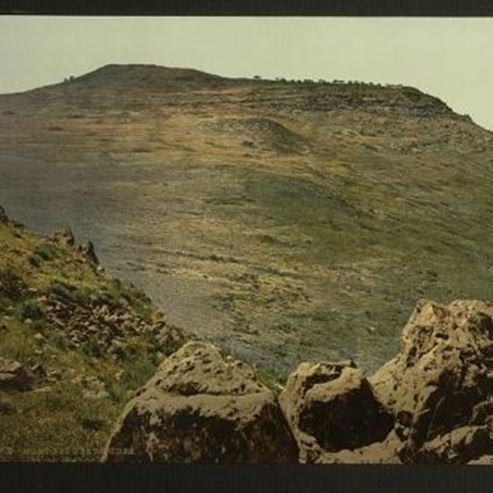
x=30, y=309
x=106, y=298
x=138, y=371
x=46, y=251
x=58, y=341
x=68, y=292
x=34, y=260
x=11, y=285
x=92, y=423
x=92, y=348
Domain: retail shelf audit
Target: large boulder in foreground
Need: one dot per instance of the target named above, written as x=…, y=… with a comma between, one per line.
x=202, y=407
x=440, y=384
x=331, y=408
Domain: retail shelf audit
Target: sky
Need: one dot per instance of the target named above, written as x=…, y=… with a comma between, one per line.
x=447, y=57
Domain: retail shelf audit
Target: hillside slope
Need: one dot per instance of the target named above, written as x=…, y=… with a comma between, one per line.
x=283, y=221
x=74, y=346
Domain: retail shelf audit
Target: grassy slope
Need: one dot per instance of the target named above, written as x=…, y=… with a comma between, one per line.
x=56, y=420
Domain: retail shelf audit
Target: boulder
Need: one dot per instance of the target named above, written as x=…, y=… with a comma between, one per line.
x=202, y=407
x=441, y=380
x=89, y=252
x=13, y=375
x=331, y=407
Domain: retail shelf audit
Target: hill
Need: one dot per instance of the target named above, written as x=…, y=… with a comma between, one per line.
x=282, y=220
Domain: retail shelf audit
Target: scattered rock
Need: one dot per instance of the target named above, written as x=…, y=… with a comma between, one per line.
x=39, y=337
x=331, y=407
x=199, y=407
x=65, y=238
x=13, y=375
x=95, y=395
x=54, y=374
x=38, y=370
x=169, y=337
x=118, y=348
x=43, y=390
x=100, y=328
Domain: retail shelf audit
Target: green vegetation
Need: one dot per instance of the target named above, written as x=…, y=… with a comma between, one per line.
x=46, y=251
x=30, y=309
x=76, y=397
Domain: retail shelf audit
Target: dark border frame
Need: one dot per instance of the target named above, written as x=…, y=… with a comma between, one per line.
x=449, y=8
x=107, y=478
x=94, y=478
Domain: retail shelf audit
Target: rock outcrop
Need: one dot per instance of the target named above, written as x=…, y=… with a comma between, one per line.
x=431, y=404
x=439, y=387
x=90, y=252
x=202, y=407
x=3, y=215
x=65, y=238
x=331, y=407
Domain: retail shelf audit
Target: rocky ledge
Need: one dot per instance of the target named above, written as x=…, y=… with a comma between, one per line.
x=432, y=403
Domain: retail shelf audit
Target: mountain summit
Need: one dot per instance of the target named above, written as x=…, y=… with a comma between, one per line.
x=146, y=75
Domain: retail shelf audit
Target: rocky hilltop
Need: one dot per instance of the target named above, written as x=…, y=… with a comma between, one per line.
x=282, y=221
x=87, y=363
